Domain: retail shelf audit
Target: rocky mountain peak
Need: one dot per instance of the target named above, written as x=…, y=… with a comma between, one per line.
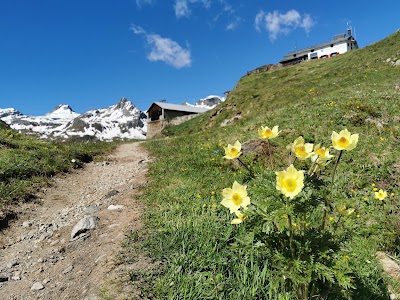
x=62, y=111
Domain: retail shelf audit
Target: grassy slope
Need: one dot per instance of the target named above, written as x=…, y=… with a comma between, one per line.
x=190, y=231
x=26, y=163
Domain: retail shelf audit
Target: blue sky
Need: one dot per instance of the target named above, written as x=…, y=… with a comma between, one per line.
x=91, y=53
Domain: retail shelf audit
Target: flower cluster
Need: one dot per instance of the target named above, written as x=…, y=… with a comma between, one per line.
x=289, y=182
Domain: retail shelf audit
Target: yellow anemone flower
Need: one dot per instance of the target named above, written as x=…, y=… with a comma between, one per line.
x=240, y=218
x=344, y=140
x=235, y=197
x=267, y=133
x=290, y=182
x=302, y=150
x=380, y=195
x=322, y=154
x=232, y=152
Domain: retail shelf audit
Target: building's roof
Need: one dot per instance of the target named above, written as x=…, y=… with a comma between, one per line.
x=179, y=107
x=337, y=39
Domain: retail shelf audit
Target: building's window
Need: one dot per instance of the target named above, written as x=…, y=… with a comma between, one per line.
x=314, y=55
x=294, y=55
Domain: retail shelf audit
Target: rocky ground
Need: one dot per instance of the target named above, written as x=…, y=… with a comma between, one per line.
x=64, y=247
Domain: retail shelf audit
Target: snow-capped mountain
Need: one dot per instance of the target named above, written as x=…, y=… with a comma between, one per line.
x=209, y=102
x=38, y=125
x=123, y=120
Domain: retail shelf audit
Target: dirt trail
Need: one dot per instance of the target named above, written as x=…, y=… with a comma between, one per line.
x=38, y=258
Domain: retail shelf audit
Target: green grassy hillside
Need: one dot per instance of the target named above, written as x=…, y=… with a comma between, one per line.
x=205, y=257
x=26, y=163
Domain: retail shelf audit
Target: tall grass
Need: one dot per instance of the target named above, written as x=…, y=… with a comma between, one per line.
x=26, y=163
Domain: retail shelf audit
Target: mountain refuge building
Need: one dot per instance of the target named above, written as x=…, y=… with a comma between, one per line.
x=339, y=44
x=161, y=114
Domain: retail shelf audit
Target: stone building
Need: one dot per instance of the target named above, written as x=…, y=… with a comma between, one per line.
x=161, y=114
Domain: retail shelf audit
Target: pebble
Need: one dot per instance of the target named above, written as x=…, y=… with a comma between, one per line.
x=115, y=207
x=37, y=286
x=68, y=269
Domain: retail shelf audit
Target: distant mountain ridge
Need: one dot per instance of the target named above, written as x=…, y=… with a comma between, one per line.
x=120, y=121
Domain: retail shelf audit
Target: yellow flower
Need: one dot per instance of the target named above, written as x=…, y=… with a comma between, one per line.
x=322, y=154
x=232, y=152
x=290, y=182
x=235, y=197
x=344, y=140
x=380, y=195
x=373, y=185
x=240, y=218
x=344, y=211
x=267, y=133
x=302, y=150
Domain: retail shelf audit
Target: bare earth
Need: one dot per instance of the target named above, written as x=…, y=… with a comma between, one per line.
x=38, y=259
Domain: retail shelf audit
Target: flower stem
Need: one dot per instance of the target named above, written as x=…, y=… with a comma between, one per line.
x=270, y=156
x=334, y=170
x=248, y=169
x=327, y=202
x=291, y=236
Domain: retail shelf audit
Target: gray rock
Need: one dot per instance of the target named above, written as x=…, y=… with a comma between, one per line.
x=68, y=269
x=37, y=286
x=110, y=194
x=12, y=264
x=27, y=224
x=85, y=224
x=397, y=63
x=4, y=277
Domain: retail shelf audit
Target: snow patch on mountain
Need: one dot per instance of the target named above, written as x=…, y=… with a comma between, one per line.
x=209, y=102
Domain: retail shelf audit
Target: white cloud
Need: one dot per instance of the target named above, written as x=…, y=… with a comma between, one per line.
x=165, y=49
x=182, y=6
x=141, y=2
x=277, y=23
x=234, y=23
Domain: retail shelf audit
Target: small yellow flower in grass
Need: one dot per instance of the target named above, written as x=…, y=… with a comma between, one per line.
x=302, y=150
x=267, y=133
x=198, y=196
x=344, y=140
x=380, y=195
x=235, y=197
x=232, y=152
x=375, y=189
x=290, y=182
x=240, y=218
x=373, y=185
x=344, y=211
